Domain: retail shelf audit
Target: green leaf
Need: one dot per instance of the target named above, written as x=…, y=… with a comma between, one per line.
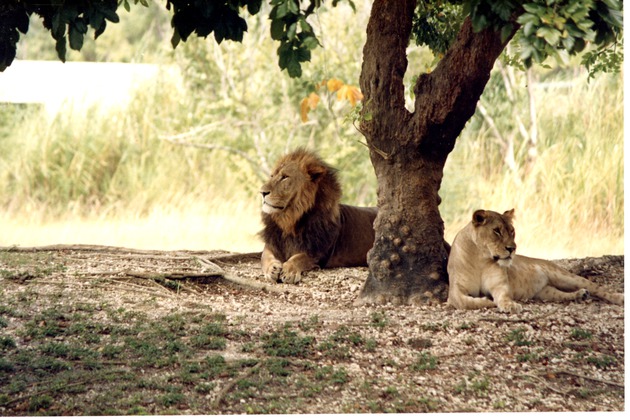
x=176, y=38
x=280, y=11
x=293, y=6
x=253, y=6
x=288, y=59
x=60, y=46
x=110, y=14
x=277, y=29
x=479, y=22
x=291, y=31
x=75, y=37
x=98, y=31
x=551, y=35
x=310, y=42
x=529, y=29
x=528, y=18
x=304, y=25
x=568, y=42
x=534, y=9
x=58, y=28
x=506, y=31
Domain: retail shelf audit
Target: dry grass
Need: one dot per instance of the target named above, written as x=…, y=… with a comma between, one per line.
x=231, y=227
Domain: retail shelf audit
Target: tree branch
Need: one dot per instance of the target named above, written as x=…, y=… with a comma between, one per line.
x=447, y=97
x=383, y=69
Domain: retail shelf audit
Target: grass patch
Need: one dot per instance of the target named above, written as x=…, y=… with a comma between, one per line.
x=518, y=337
x=287, y=343
x=379, y=319
x=474, y=384
x=603, y=361
x=425, y=361
x=339, y=344
x=580, y=334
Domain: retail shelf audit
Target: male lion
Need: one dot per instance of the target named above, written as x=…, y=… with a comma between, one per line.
x=305, y=227
x=482, y=263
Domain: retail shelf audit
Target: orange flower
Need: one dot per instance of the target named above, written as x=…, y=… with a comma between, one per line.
x=308, y=104
x=351, y=93
x=334, y=85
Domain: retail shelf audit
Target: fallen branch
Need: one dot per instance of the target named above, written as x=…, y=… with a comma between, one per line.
x=588, y=378
x=543, y=382
x=217, y=275
x=236, y=258
x=226, y=389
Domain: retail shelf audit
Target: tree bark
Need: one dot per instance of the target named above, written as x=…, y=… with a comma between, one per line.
x=409, y=149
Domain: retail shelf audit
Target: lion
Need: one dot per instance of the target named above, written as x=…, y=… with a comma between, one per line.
x=485, y=272
x=305, y=226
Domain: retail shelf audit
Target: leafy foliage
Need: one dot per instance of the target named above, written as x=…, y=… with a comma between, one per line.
x=67, y=22
x=548, y=28
x=436, y=24
x=551, y=28
x=205, y=17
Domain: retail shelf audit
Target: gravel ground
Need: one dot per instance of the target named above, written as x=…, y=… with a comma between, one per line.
x=550, y=357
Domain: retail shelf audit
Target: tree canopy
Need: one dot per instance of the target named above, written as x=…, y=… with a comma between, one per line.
x=548, y=28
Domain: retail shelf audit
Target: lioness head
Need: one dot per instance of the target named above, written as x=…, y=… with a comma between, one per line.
x=495, y=233
x=299, y=181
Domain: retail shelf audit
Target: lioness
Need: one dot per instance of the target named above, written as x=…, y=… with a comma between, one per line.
x=305, y=227
x=482, y=263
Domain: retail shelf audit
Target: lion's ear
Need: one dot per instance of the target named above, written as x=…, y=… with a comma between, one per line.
x=479, y=218
x=316, y=171
x=509, y=214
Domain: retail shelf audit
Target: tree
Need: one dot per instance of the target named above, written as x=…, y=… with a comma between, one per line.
x=408, y=149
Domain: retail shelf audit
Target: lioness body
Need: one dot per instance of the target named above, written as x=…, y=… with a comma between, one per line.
x=482, y=264
x=305, y=227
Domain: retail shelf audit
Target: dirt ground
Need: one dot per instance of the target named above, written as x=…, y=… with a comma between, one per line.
x=92, y=330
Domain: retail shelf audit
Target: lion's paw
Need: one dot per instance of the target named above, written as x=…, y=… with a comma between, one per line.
x=273, y=271
x=291, y=274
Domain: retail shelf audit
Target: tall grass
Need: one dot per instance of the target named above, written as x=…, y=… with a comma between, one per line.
x=121, y=178
x=572, y=202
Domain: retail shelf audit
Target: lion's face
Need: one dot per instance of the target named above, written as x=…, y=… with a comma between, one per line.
x=494, y=232
x=289, y=186
x=300, y=182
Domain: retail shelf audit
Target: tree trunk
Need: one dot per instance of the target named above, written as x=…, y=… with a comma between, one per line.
x=409, y=149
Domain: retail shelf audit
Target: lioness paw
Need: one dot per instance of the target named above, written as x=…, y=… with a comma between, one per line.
x=511, y=307
x=273, y=271
x=582, y=294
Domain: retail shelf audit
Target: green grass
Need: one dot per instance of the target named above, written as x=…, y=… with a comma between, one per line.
x=518, y=337
x=580, y=334
x=425, y=361
x=287, y=343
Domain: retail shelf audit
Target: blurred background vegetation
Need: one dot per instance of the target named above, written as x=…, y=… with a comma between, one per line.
x=181, y=164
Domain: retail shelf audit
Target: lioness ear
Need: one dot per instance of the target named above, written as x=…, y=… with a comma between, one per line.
x=509, y=214
x=479, y=218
